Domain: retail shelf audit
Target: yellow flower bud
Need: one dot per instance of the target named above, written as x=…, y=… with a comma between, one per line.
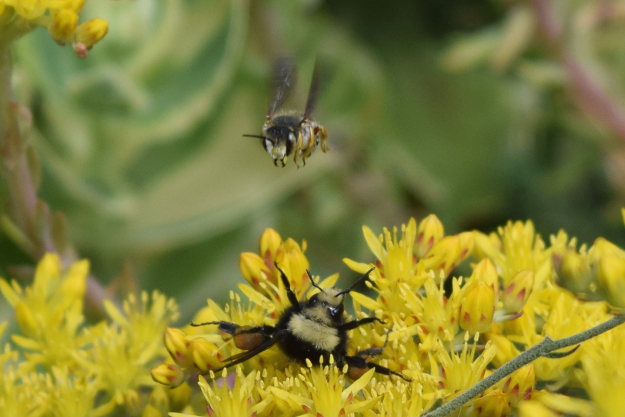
x=430, y=231
x=205, y=355
x=253, y=268
x=477, y=308
x=493, y=404
x=611, y=278
x=520, y=385
x=270, y=242
x=168, y=374
x=63, y=25
x=485, y=271
x=516, y=294
x=178, y=347
x=91, y=31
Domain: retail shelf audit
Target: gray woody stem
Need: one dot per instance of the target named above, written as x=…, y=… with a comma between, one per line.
x=542, y=349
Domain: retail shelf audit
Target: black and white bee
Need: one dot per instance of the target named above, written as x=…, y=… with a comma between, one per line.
x=288, y=132
x=308, y=329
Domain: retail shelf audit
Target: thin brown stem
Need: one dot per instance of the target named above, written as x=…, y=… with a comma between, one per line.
x=590, y=97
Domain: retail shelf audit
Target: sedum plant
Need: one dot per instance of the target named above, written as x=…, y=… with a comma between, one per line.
x=532, y=328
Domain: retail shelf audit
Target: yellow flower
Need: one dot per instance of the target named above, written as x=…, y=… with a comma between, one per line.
x=59, y=17
x=321, y=391
x=232, y=396
x=50, y=311
x=460, y=371
x=604, y=367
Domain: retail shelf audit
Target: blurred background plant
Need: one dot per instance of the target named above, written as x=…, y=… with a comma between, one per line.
x=478, y=111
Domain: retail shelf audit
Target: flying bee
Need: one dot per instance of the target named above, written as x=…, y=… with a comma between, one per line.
x=308, y=329
x=288, y=132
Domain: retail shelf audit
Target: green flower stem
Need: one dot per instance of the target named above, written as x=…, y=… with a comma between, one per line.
x=542, y=349
x=29, y=221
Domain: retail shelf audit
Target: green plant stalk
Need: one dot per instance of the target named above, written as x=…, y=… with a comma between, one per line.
x=542, y=349
x=28, y=220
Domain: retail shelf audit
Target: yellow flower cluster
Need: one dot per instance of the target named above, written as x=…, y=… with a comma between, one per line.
x=66, y=367
x=59, y=17
x=443, y=338
x=441, y=331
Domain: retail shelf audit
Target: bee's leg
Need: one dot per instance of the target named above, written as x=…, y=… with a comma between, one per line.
x=298, y=147
x=289, y=292
x=244, y=337
x=323, y=137
x=243, y=356
x=360, y=363
x=350, y=325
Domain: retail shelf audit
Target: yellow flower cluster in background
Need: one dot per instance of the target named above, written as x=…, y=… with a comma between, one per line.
x=61, y=366
x=445, y=341
x=59, y=17
x=443, y=338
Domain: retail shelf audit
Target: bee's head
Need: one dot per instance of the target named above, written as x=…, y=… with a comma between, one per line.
x=327, y=305
x=279, y=141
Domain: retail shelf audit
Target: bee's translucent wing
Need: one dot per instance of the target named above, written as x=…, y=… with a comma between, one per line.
x=311, y=102
x=284, y=74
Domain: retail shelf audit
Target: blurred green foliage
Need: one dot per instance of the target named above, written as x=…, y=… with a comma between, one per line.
x=453, y=107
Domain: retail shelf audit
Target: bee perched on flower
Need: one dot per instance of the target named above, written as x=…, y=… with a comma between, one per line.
x=307, y=330
x=288, y=132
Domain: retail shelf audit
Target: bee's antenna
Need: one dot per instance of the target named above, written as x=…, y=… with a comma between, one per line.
x=256, y=136
x=362, y=278
x=312, y=281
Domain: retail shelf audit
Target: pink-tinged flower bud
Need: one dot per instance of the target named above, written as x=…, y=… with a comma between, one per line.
x=443, y=255
x=169, y=374
x=270, y=242
x=467, y=241
x=611, y=278
x=493, y=404
x=520, y=385
x=477, y=308
x=63, y=24
x=516, y=294
x=430, y=231
x=205, y=355
x=485, y=271
x=178, y=347
x=254, y=269
x=91, y=32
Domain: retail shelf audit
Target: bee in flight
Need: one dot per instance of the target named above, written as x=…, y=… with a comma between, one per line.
x=287, y=132
x=307, y=329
